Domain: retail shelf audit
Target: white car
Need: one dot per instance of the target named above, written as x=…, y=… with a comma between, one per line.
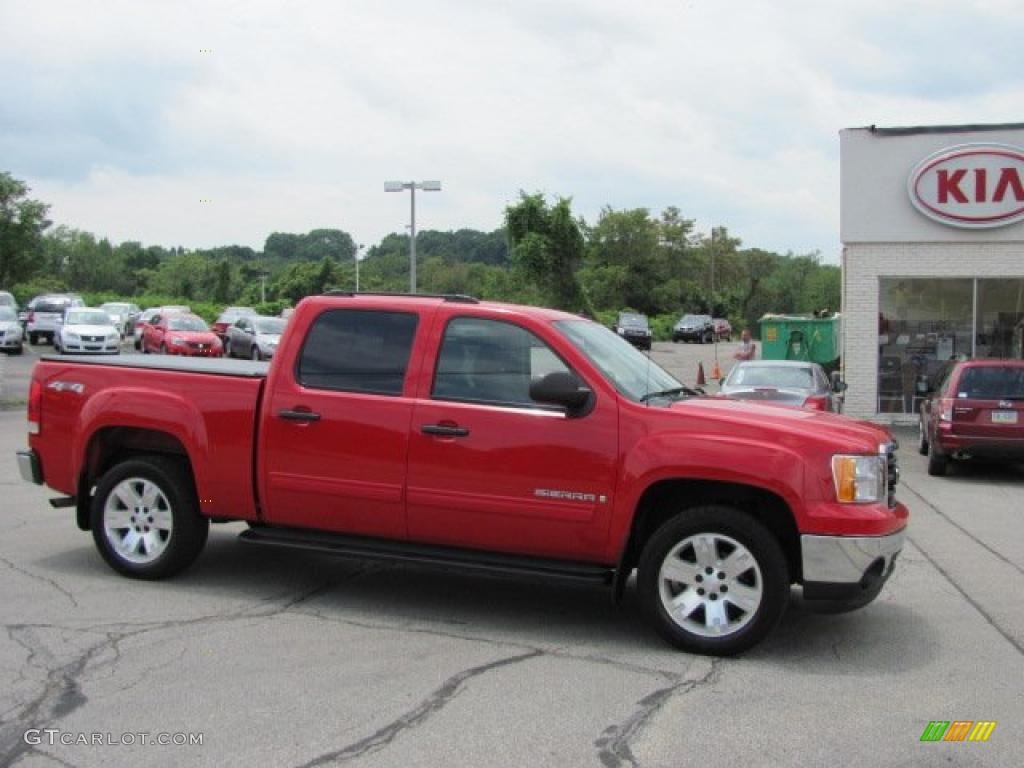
x=123, y=314
x=88, y=331
x=11, y=332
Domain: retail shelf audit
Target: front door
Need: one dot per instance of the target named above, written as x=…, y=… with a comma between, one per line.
x=335, y=436
x=491, y=469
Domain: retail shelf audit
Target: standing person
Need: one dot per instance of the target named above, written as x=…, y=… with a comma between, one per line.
x=748, y=349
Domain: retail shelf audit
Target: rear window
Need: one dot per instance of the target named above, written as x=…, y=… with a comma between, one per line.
x=785, y=377
x=358, y=351
x=53, y=306
x=990, y=383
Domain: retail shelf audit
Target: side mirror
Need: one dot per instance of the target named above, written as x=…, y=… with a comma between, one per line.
x=564, y=389
x=838, y=385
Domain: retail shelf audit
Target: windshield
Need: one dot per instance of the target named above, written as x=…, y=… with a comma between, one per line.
x=633, y=321
x=631, y=372
x=115, y=309
x=7, y=313
x=270, y=327
x=186, y=324
x=780, y=376
x=88, y=317
x=992, y=383
x=694, y=319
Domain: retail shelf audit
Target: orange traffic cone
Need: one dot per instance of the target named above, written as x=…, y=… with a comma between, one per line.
x=701, y=381
x=716, y=372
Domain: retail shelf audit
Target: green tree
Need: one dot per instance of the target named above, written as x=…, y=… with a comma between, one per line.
x=22, y=222
x=548, y=249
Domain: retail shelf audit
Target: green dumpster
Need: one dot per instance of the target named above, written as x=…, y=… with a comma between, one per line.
x=802, y=337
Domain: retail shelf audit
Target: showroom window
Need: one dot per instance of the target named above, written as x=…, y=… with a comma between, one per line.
x=923, y=323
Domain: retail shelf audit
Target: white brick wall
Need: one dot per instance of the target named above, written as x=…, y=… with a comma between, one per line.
x=865, y=263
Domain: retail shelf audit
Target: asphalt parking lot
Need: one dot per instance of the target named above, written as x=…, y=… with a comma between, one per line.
x=288, y=659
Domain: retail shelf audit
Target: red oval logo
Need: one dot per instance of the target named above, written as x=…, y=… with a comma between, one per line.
x=970, y=185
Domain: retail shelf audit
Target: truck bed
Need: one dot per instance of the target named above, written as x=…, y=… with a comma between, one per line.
x=216, y=366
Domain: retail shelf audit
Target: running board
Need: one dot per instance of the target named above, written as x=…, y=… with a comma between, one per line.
x=427, y=554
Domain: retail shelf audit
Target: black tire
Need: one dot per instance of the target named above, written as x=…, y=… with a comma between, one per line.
x=769, y=573
x=922, y=437
x=19, y=349
x=33, y=338
x=185, y=538
x=938, y=462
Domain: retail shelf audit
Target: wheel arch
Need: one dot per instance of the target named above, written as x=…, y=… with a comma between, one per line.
x=111, y=445
x=669, y=497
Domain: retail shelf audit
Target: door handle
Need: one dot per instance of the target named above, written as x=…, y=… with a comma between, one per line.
x=298, y=415
x=444, y=430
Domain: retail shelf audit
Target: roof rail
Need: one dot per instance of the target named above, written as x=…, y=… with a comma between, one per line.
x=456, y=298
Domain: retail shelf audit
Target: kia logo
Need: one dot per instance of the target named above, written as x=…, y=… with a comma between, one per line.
x=971, y=185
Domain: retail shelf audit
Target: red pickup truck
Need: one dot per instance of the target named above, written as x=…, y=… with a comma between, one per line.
x=485, y=436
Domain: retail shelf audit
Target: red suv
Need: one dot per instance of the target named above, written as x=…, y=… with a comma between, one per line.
x=975, y=409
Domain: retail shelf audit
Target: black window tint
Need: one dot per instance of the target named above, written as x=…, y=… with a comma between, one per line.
x=491, y=361
x=358, y=351
x=992, y=383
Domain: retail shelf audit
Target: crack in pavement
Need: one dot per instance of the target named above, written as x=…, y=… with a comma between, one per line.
x=61, y=693
x=613, y=746
x=435, y=702
x=36, y=577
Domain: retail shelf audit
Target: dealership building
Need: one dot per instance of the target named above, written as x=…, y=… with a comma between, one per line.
x=932, y=224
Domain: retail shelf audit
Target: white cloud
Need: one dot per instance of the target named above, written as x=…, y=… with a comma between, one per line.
x=730, y=111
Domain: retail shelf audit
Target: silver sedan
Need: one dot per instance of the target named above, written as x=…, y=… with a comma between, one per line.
x=254, y=337
x=785, y=382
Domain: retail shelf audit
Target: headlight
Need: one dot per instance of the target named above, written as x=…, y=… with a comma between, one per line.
x=859, y=479
x=622, y=331
x=178, y=342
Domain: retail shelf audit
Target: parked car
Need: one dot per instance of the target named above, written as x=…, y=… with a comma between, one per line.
x=976, y=409
x=699, y=328
x=47, y=314
x=227, y=318
x=254, y=337
x=123, y=314
x=634, y=328
x=785, y=382
x=181, y=334
x=723, y=328
x=11, y=335
x=8, y=300
x=483, y=436
x=87, y=331
x=145, y=319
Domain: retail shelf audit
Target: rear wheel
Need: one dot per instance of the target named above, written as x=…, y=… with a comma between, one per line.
x=713, y=580
x=938, y=462
x=145, y=518
x=33, y=338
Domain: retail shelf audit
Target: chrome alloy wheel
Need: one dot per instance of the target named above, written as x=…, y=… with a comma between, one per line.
x=710, y=585
x=137, y=520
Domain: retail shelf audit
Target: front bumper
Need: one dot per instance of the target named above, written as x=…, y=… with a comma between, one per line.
x=848, y=568
x=29, y=467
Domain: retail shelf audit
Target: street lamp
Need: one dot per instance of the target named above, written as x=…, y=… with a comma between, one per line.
x=412, y=186
x=358, y=249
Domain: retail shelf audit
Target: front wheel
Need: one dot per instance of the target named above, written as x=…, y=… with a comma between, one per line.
x=33, y=339
x=713, y=580
x=145, y=518
x=938, y=462
x=922, y=438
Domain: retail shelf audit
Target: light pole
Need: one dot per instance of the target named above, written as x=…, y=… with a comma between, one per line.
x=358, y=249
x=412, y=186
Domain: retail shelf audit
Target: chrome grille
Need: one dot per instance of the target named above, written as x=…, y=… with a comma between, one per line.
x=892, y=471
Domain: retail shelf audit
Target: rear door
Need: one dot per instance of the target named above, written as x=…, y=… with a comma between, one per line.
x=989, y=402
x=334, y=437
x=491, y=469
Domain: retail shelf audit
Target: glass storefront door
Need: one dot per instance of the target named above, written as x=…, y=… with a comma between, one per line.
x=926, y=322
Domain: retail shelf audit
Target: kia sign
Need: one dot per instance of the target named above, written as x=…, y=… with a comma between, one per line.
x=974, y=186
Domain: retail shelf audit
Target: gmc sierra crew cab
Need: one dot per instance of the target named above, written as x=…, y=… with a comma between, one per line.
x=500, y=438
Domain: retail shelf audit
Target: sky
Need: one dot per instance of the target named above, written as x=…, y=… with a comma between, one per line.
x=218, y=122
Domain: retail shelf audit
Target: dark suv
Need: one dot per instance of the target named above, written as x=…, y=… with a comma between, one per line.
x=699, y=328
x=975, y=409
x=634, y=328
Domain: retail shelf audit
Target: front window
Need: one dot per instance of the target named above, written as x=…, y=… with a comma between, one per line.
x=186, y=324
x=631, y=372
